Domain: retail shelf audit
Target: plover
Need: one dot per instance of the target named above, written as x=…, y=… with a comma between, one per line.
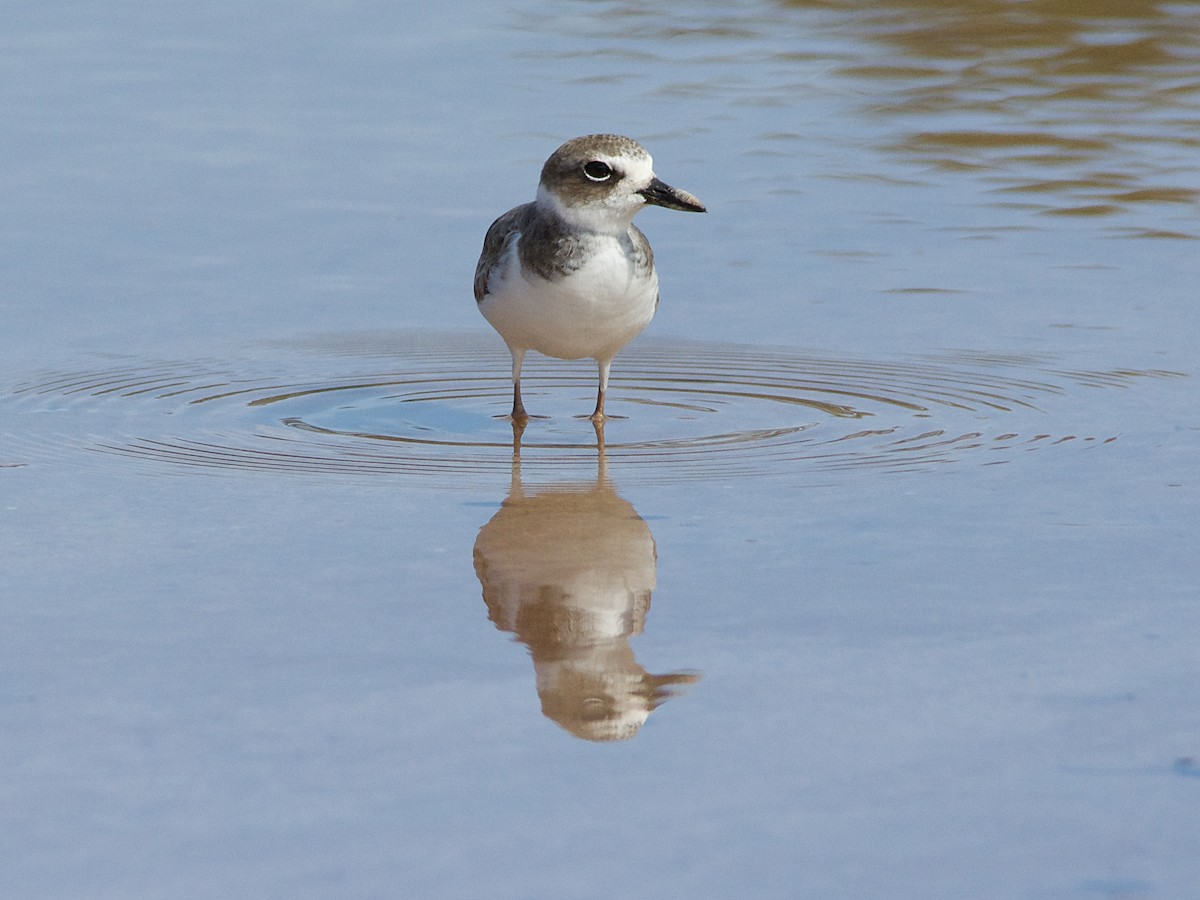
x=569, y=275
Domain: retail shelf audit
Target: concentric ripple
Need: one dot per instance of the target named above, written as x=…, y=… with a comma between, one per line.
x=431, y=405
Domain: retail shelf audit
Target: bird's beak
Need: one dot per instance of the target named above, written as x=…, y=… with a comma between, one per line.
x=659, y=193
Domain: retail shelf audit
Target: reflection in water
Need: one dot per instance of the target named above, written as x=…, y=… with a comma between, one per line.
x=1062, y=108
x=1080, y=89
x=569, y=570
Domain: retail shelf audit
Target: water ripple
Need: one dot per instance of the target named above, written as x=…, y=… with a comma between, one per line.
x=429, y=406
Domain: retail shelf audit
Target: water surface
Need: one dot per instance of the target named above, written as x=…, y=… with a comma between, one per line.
x=883, y=586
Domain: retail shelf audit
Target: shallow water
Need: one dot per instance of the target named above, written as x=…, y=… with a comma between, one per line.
x=883, y=584
x=431, y=405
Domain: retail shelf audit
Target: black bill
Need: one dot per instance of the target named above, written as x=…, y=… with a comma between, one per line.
x=659, y=193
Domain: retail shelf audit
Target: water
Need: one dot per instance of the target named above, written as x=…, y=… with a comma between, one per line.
x=884, y=585
x=431, y=404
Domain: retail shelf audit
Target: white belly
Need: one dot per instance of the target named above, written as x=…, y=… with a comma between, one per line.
x=594, y=311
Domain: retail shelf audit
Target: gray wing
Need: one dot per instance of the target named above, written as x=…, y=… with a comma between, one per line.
x=643, y=256
x=495, y=244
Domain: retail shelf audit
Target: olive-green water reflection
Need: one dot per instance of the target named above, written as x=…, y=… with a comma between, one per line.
x=569, y=569
x=1079, y=108
x=1083, y=109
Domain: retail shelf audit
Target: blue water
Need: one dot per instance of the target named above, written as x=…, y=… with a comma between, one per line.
x=935, y=641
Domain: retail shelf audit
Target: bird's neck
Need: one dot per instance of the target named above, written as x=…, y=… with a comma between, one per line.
x=594, y=218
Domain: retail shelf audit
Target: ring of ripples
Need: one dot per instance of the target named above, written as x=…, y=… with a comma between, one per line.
x=432, y=406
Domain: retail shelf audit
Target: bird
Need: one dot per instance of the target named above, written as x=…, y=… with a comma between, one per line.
x=569, y=275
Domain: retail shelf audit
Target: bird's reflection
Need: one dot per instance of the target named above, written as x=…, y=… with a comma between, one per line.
x=569, y=569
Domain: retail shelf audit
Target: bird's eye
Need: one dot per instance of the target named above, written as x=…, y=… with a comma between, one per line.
x=597, y=170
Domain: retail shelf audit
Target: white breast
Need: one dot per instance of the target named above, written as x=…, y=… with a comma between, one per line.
x=592, y=312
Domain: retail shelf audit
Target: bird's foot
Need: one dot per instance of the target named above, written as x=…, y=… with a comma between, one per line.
x=521, y=420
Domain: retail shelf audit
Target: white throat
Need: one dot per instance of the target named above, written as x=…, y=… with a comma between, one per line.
x=601, y=218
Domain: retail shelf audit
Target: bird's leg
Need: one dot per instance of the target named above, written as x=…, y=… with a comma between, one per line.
x=519, y=416
x=598, y=415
